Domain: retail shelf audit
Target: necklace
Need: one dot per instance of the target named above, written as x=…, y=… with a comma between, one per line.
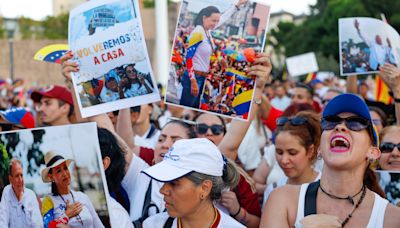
x=349, y=198
x=214, y=223
x=364, y=191
x=78, y=217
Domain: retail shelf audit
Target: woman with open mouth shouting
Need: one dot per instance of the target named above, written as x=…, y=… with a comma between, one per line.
x=347, y=193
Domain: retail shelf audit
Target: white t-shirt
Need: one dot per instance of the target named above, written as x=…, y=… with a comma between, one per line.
x=19, y=214
x=249, y=152
x=136, y=183
x=119, y=217
x=106, y=95
x=158, y=221
x=281, y=103
x=88, y=215
x=143, y=141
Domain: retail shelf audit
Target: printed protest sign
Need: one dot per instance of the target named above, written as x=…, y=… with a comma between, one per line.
x=302, y=64
x=107, y=41
x=365, y=44
x=211, y=55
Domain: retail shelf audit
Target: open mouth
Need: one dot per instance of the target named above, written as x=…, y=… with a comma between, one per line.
x=339, y=144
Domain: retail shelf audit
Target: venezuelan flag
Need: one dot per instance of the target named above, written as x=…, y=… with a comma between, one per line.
x=47, y=211
x=310, y=77
x=231, y=88
x=51, y=53
x=233, y=72
x=382, y=91
x=194, y=41
x=241, y=103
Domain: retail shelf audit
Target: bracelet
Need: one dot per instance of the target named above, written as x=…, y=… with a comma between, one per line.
x=298, y=224
x=236, y=214
x=237, y=8
x=396, y=100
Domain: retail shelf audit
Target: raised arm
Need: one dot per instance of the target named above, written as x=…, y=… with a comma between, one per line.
x=390, y=74
x=225, y=16
x=237, y=130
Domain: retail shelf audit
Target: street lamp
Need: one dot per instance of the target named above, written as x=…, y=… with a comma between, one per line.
x=11, y=24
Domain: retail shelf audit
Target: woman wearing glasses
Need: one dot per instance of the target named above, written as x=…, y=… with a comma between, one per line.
x=241, y=202
x=390, y=148
x=63, y=205
x=133, y=84
x=296, y=145
x=344, y=196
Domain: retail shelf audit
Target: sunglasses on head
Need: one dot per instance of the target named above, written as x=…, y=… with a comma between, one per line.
x=295, y=121
x=353, y=123
x=216, y=129
x=388, y=147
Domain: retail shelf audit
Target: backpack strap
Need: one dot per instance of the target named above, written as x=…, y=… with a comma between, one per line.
x=146, y=206
x=168, y=223
x=310, y=202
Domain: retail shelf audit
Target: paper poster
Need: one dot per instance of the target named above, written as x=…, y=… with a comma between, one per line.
x=365, y=44
x=41, y=152
x=107, y=40
x=302, y=64
x=215, y=43
x=390, y=184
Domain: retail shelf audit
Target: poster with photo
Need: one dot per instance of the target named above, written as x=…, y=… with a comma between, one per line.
x=302, y=64
x=365, y=44
x=390, y=184
x=57, y=159
x=215, y=43
x=107, y=41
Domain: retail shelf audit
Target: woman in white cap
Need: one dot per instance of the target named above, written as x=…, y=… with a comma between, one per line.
x=346, y=195
x=194, y=173
x=63, y=205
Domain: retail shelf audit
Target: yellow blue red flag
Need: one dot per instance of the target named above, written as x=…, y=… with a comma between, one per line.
x=51, y=53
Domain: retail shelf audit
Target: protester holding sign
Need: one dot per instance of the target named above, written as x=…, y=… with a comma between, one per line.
x=344, y=196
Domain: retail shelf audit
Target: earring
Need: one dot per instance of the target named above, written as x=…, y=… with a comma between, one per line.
x=319, y=156
x=371, y=160
x=201, y=196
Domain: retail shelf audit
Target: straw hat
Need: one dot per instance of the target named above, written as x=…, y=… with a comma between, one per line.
x=52, y=160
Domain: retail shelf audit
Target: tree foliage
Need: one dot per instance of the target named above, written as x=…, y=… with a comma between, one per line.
x=55, y=27
x=319, y=32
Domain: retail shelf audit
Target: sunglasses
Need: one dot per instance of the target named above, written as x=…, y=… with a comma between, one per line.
x=216, y=129
x=388, y=147
x=295, y=121
x=353, y=123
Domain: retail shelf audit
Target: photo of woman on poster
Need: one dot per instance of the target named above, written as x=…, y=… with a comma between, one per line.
x=200, y=50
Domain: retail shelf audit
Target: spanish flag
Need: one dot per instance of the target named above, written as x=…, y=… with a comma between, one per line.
x=382, y=91
x=241, y=103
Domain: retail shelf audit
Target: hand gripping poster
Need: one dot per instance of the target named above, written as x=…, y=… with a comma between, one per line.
x=107, y=41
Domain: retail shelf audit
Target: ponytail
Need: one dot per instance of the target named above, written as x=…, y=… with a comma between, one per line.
x=371, y=182
x=231, y=175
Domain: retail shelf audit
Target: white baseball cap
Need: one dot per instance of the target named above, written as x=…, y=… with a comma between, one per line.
x=187, y=155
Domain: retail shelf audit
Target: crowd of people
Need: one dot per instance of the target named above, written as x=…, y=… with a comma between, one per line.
x=306, y=157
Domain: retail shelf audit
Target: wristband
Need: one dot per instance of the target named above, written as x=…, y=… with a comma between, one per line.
x=396, y=100
x=236, y=214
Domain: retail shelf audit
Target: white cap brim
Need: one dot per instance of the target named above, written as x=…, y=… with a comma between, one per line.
x=165, y=171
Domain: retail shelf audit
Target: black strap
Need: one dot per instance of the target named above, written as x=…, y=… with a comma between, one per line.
x=310, y=202
x=168, y=223
x=146, y=206
x=152, y=131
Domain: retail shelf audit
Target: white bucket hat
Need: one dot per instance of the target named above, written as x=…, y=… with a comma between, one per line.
x=187, y=155
x=52, y=160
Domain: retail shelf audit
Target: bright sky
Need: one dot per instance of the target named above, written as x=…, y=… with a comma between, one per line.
x=39, y=9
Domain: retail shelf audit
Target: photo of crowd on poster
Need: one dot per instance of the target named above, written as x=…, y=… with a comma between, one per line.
x=215, y=43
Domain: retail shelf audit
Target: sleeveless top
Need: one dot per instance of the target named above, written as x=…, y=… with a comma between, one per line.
x=376, y=219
